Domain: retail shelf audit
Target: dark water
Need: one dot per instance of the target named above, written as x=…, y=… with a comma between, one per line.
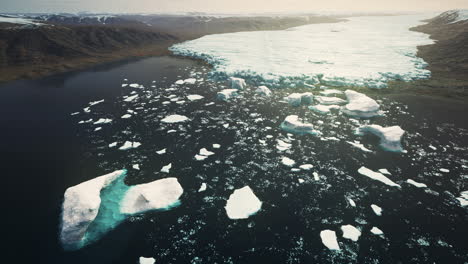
x=45, y=151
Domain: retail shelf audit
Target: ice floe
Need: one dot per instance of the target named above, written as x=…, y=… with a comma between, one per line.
x=325, y=100
x=227, y=94
x=323, y=109
x=103, y=121
x=360, y=105
x=377, y=176
x=194, y=97
x=202, y=187
x=287, y=161
x=131, y=98
x=463, y=199
x=377, y=210
x=237, y=83
x=417, y=184
x=174, y=119
x=130, y=145
x=161, y=194
x=390, y=137
x=376, y=231
x=161, y=151
x=166, y=168
x=263, y=91
x=306, y=166
x=144, y=260
x=329, y=239
x=294, y=125
x=126, y=116
x=350, y=232
x=296, y=99
x=242, y=203
x=359, y=146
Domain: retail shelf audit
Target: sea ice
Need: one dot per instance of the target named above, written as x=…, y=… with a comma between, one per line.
x=463, y=199
x=242, y=203
x=190, y=81
x=157, y=195
x=329, y=92
x=384, y=171
x=80, y=208
x=144, y=260
x=202, y=187
x=325, y=100
x=103, y=121
x=237, y=83
x=390, y=137
x=377, y=210
x=96, y=102
x=376, y=231
x=126, y=116
x=162, y=151
x=296, y=99
x=282, y=146
x=113, y=144
x=194, y=97
x=131, y=98
x=130, y=145
x=136, y=166
x=174, y=119
x=227, y=94
x=287, y=161
x=323, y=109
x=216, y=146
x=166, y=168
x=263, y=91
x=359, y=146
x=293, y=125
x=306, y=166
x=360, y=105
x=350, y=232
x=377, y=176
x=329, y=239
x=417, y=184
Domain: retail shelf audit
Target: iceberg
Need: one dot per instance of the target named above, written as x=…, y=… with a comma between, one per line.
x=331, y=92
x=237, y=83
x=160, y=152
x=360, y=105
x=390, y=137
x=202, y=187
x=463, y=199
x=377, y=176
x=359, y=146
x=126, y=116
x=80, y=208
x=161, y=194
x=323, y=109
x=227, y=94
x=242, y=203
x=306, y=166
x=293, y=125
x=174, y=119
x=103, y=121
x=296, y=99
x=287, y=161
x=131, y=98
x=216, y=146
x=166, y=168
x=329, y=239
x=144, y=260
x=417, y=184
x=194, y=97
x=377, y=210
x=96, y=102
x=263, y=91
x=190, y=81
x=130, y=145
x=325, y=100
x=376, y=231
x=351, y=232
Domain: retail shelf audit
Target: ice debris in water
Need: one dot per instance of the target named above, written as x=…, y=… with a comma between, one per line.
x=324, y=100
x=306, y=166
x=360, y=105
x=126, y=116
x=166, y=168
x=237, y=83
x=292, y=124
x=96, y=102
x=463, y=199
x=287, y=161
x=417, y=184
x=323, y=109
x=351, y=202
x=376, y=231
x=174, y=119
x=130, y=145
x=113, y=144
x=80, y=208
x=390, y=137
x=131, y=98
x=296, y=99
x=144, y=260
x=329, y=239
x=161, y=194
x=384, y=171
x=136, y=166
x=359, y=146
x=377, y=176
x=350, y=232
x=204, y=153
x=242, y=203
x=444, y=170
x=377, y=210
x=227, y=94
x=202, y=187
x=282, y=146
x=194, y=97
x=160, y=152
x=263, y=91
x=103, y=121
x=216, y=146
x=331, y=92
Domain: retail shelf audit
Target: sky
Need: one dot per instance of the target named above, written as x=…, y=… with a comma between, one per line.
x=230, y=6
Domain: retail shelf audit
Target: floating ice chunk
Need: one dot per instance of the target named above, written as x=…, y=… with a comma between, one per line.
x=174, y=119
x=263, y=91
x=126, y=116
x=144, y=260
x=329, y=239
x=113, y=144
x=242, y=203
x=323, y=109
x=124, y=85
x=130, y=145
x=463, y=199
x=444, y=170
x=200, y=157
x=103, y=121
x=162, y=194
x=350, y=232
x=296, y=99
x=377, y=176
x=227, y=94
x=75, y=113
x=287, y=161
x=384, y=171
x=179, y=82
x=190, y=81
x=162, y=151
x=87, y=110
x=216, y=146
x=390, y=137
x=301, y=180
x=282, y=146
x=80, y=208
x=331, y=92
x=316, y=176
x=131, y=98
x=96, y=102
x=351, y=202
x=202, y=187
x=417, y=184
x=306, y=166
x=136, y=166
x=194, y=97
x=292, y=124
x=237, y=83
x=360, y=105
x=135, y=85
x=166, y=168
x=377, y=210
x=376, y=231
x=329, y=100
x=206, y=152
x=432, y=147
x=97, y=128
x=359, y=145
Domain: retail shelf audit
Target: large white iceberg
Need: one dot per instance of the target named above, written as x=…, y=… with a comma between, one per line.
x=237, y=83
x=157, y=195
x=81, y=206
x=242, y=203
x=294, y=125
x=329, y=239
x=360, y=105
x=377, y=176
x=390, y=137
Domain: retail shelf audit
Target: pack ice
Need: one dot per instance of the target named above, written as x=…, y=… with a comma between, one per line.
x=242, y=203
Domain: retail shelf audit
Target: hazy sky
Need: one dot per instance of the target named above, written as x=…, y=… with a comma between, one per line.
x=257, y=6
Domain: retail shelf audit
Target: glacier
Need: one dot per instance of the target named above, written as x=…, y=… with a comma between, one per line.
x=363, y=51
